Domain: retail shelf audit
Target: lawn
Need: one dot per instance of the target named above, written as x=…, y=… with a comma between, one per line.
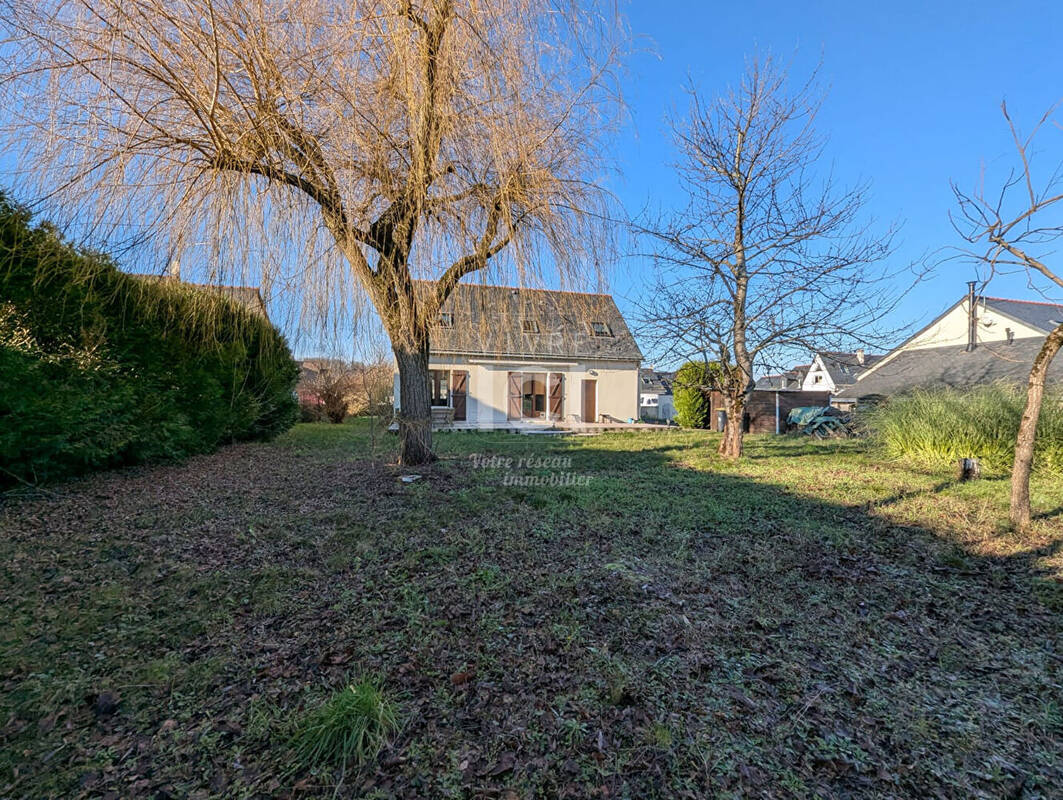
x=620, y=616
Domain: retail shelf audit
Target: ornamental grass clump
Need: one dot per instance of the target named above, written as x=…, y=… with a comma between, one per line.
x=935, y=428
x=351, y=727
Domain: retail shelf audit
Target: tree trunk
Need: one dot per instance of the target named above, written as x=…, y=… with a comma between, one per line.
x=1027, y=438
x=731, y=443
x=415, y=406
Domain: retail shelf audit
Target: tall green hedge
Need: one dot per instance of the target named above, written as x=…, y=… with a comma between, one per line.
x=99, y=368
x=691, y=403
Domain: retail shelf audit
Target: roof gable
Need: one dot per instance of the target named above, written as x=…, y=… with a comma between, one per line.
x=996, y=318
x=845, y=367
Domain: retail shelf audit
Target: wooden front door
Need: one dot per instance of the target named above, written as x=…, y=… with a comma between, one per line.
x=557, y=385
x=459, y=390
x=590, y=397
x=515, y=397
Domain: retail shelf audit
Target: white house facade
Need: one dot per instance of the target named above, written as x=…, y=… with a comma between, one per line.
x=502, y=357
x=831, y=371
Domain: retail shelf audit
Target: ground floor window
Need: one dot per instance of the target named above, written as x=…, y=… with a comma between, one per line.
x=439, y=385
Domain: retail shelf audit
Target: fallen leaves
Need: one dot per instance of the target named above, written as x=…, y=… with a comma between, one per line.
x=677, y=636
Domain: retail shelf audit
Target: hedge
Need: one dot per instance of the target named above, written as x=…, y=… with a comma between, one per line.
x=691, y=402
x=100, y=368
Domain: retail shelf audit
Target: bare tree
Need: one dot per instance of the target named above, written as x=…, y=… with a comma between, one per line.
x=346, y=146
x=328, y=388
x=765, y=260
x=1017, y=227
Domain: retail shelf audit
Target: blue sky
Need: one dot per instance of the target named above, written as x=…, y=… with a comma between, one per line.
x=913, y=96
x=914, y=92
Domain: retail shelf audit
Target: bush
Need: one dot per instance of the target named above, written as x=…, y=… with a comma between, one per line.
x=936, y=428
x=311, y=410
x=691, y=403
x=101, y=368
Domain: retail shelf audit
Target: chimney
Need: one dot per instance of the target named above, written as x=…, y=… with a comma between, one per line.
x=1010, y=334
x=173, y=270
x=972, y=318
x=860, y=356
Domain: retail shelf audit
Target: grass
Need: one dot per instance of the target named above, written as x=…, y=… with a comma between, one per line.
x=351, y=727
x=815, y=620
x=935, y=428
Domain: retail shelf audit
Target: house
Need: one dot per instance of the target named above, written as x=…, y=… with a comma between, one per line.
x=503, y=357
x=835, y=371
x=791, y=380
x=977, y=340
x=247, y=296
x=655, y=395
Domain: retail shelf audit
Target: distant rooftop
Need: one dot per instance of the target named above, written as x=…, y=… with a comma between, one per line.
x=247, y=296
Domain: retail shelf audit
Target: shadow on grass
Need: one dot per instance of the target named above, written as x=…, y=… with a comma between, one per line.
x=1055, y=512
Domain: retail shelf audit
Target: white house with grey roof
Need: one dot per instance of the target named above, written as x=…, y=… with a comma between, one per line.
x=502, y=357
x=835, y=371
x=978, y=340
x=655, y=395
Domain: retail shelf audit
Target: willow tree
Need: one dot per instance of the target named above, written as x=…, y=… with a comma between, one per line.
x=349, y=146
x=1018, y=227
x=768, y=258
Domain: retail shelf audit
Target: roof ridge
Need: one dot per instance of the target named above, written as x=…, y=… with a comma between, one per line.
x=517, y=288
x=222, y=286
x=1027, y=302
x=176, y=282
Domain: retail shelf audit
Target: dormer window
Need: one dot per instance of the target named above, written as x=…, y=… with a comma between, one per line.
x=600, y=329
x=446, y=319
x=529, y=326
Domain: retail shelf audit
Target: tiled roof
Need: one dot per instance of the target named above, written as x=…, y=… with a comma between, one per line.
x=248, y=296
x=845, y=368
x=653, y=382
x=790, y=380
x=496, y=321
x=1043, y=316
x=936, y=367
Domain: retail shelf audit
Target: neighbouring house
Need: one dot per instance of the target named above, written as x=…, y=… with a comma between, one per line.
x=247, y=296
x=977, y=340
x=835, y=371
x=655, y=395
x=503, y=357
x=791, y=380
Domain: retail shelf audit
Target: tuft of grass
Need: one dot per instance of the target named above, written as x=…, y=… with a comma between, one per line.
x=935, y=428
x=352, y=726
